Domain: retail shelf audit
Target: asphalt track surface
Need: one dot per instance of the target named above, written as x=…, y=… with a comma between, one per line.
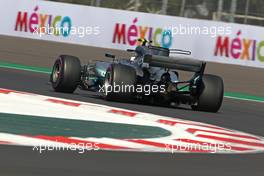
x=239, y=115
x=246, y=80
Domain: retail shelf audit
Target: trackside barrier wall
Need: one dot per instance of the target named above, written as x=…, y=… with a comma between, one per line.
x=118, y=29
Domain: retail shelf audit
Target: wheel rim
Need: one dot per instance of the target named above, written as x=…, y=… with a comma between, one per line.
x=56, y=72
x=107, y=81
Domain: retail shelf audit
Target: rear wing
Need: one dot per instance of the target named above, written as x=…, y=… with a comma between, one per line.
x=179, y=63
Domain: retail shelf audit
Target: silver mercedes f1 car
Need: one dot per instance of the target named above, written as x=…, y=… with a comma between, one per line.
x=151, y=75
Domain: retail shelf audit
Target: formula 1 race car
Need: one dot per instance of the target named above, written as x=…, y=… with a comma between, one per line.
x=151, y=75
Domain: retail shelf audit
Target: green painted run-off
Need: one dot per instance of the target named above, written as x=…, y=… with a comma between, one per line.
x=25, y=67
x=37, y=125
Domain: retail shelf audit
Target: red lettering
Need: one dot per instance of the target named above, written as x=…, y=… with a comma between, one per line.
x=222, y=46
x=119, y=33
x=21, y=21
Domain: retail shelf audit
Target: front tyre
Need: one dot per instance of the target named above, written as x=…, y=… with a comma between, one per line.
x=66, y=74
x=211, y=94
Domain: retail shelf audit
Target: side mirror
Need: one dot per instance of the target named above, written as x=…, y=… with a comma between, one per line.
x=130, y=50
x=110, y=55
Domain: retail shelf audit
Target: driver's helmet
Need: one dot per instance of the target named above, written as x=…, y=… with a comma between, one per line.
x=141, y=51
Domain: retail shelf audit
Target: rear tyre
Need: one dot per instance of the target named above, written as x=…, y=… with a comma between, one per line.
x=211, y=94
x=66, y=74
x=119, y=80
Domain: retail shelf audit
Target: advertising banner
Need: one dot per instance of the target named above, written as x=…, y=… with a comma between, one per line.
x=118, y=29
